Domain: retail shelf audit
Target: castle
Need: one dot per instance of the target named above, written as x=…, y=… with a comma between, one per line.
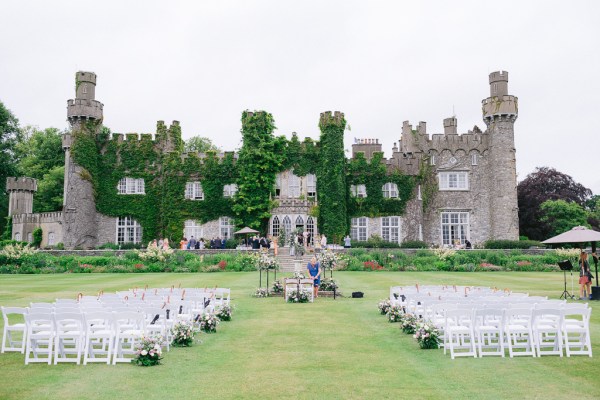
x=115, y=187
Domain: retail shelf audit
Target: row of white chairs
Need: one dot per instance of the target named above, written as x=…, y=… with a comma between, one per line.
x=293, y=284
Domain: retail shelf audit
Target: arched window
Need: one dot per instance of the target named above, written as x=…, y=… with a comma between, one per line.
x=287, y=224
x=299, y=223
x=18, y=236
x=275, y=226
x=192, y=228
x=310, y=226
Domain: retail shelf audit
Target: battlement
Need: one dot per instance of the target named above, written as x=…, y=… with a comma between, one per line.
x=499, y=76
x=84, y=108
x=85, y=76
x=466, y=141
x=202, y=156
x=450, y=125
x=328, y=119
x=22, y=184
x=38, y=218
x=498, y=106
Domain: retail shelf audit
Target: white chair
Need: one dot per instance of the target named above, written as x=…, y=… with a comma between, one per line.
x=39, y=337
x=99, y=337
x=547, y=331
x=18, y=329
x=68, y=337
x=576, y=331
x=129, y=327
x=518, y=331
x=459, y=334
x=489, y=331
x=290, y=285
x=308, y=285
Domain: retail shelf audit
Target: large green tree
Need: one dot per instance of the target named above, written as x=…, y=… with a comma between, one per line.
x=561, y=215
x=9, y=137
x=260, y=159
x=200, y=144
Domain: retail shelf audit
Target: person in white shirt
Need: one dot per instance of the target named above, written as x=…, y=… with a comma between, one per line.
x=323, y=241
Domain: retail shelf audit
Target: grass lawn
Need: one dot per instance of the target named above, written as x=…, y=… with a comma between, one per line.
x=338, y=349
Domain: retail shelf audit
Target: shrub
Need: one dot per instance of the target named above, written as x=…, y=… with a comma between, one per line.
x=413, y=244
x=512, y=244
x=37, y=237
x=4, y=243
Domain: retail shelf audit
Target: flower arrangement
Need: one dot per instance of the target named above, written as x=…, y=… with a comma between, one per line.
x=148, y=351
x=224, y=312
x=208, y=322
x=384, y=306
x=395, y=314
x=444, y=253
x=299, y=275
x=329, y=285
x=154, y=253
x=409, y=324
x=183, y=334
x=261, y=292
x=264, y=261
x=329, y=259
x=277, y=287
x=17, y=251
x=427, y=335
x=301, y=296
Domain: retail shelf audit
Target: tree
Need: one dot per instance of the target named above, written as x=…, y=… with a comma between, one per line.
x=49, y=196
x=9, y=137
x=561, y=215
x=200, y=144
x=545, y=184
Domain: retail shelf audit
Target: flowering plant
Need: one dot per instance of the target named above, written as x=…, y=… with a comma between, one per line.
x=567, y=253
x=301, y=296
x=277, y=287
x=395, y=314
x=373, y=265
x=208, y=322
x=328, y=284
x=384, y=306
x=261, y=292
x=427, y=335
x=16, y=251
x=329, y=259
x=183, y=334
x=154, y=253
x=148, y=351
x=444, y=253
x=299, y=275
x=409, y=324
x=224, y=312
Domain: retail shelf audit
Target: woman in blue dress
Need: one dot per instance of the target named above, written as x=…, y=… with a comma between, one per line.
x=314, y=271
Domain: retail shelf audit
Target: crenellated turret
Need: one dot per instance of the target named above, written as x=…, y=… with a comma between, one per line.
x=20, y=195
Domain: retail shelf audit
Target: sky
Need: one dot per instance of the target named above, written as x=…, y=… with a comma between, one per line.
x=380, y=62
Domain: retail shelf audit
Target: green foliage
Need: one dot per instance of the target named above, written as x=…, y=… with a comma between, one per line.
x=414, y=244
x=9, y=137
x=561, y=215
x=512, y=244
x=49, y=196
x=376, y=242
x=200, y=144
x=331, y=177
x=260, y=157
x=37, y=237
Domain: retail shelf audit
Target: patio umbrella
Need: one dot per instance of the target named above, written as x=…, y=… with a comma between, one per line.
x=246, y=231
x=580, y=234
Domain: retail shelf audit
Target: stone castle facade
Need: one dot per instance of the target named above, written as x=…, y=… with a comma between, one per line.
x=474, y=195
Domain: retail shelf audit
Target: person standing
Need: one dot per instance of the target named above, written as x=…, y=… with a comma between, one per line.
x=184, y=244
x=165, y=244
x=323, y=241
x=305, y=238
x=192, y=243
x=584, y=274
x=314, y=272
x=347, y=242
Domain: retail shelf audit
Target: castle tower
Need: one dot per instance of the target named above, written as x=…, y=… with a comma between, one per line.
x=500, y=112
x=85, y=115
x=20, y=195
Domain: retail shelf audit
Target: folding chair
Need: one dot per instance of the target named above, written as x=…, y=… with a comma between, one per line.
x=39, y=337
x=68, y=337
x=129, y=327
x=518, y=331
x=459, y=334
x=99, y=337
x=547, y=331
x=576, y=331
x=489, y=331
x=10, y=342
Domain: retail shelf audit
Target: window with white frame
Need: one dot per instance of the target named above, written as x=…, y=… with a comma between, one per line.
x=311, y=185
x=275, y=226
x=128, y=230
x=51, y=239
x=390, y=229
x=193, y=191
x=299, y=223
x=293, y=185
x=18, y=236
x=192, y=228
x=474, y=159
x=455, y=228
x=310, y=226
x=287, y=224
x=230, y=190
x=390, y=190
x=226, y=227
x=278, y=185
x=131, y=186
x=358, y=230
x=454, y=180
x=358, y=190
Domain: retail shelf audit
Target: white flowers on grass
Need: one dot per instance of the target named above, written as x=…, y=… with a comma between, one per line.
x=17, y=251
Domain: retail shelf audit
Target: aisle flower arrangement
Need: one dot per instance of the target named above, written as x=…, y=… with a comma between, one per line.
x=395, y=314
x=384, y=306
x=409, y=324
x=148, y=351
x=328, y=285
x=264, y=261
x=208, y=322
x=329, y=259
x=427, y=335
x=301, y=296
x=299, y=275
x=224, y=312
x=183, y=334
x=261, y=292
x=277, y=287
